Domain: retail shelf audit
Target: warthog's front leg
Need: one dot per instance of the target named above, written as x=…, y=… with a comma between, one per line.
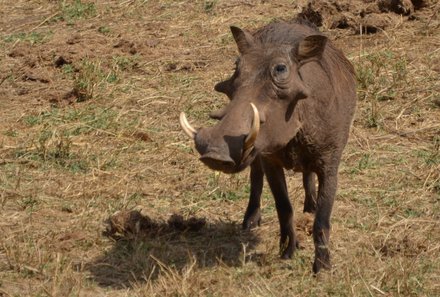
x=328, y=180
x=277, y=182
x=252, y=217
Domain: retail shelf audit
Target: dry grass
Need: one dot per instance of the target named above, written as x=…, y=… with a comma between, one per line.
x=67, y=166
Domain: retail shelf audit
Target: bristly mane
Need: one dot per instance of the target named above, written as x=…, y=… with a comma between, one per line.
x=335, y=54
x=300, y=20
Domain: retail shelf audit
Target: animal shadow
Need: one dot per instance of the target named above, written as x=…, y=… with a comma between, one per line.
x=143, y=248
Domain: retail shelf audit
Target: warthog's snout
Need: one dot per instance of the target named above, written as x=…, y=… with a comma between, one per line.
x=221, y=151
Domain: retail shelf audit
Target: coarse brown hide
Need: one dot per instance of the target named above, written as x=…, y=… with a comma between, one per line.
x=292, y=101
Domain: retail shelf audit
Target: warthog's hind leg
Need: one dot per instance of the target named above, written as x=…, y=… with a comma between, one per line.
x=310, y=191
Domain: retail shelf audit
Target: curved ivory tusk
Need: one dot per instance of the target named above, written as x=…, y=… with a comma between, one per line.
x=255, y=129
x=187, y=128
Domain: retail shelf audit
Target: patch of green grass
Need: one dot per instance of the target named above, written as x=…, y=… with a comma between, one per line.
x=209, y=5
x=429, y=157
x=380, y=76
x=231, y=189
x=32, y=37
x=68, y=69
x=28, y=203
x=56, y=147
x=185, y=148
x=112, y=77
x=36, y=119
x=366, y=161
x=104, y=30
x=183, y=80
x=372, y=116
x=77, y=9
x=10, y=133
x=90, y=76
x=125, y=63
x=369, y=201
x=411, y=213
x=378, y=70
x=226, y=195
x=78, y=121
x=390, y=201
x=214, y=179
x=101, y=119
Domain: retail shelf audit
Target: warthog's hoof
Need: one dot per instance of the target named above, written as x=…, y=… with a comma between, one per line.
x=309, y=208
x=288, y=251
x=252, y=221
x=322, y=260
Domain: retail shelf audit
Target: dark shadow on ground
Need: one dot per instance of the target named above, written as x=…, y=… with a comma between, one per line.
x=143, y=247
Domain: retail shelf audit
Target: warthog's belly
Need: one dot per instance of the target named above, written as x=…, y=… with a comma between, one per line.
x=293, y=160
x=290, y=157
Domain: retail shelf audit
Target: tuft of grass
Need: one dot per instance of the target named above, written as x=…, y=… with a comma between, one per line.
x=68, y=69
x=10, y=133
x=32, y=37
x=429, y=157
x=209, y=5
x=78, y=121
x=29, y=203
x=89, y=77
x=366, y=162
x=54, y=148
x=125, y=63
x=104, y=30
x=380, y=77
x=75, y=10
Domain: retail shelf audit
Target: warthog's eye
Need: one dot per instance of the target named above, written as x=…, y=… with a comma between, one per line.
x=280, y=68
x=280, y=72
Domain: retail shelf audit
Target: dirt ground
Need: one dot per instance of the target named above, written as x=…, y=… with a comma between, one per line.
x=101, y=194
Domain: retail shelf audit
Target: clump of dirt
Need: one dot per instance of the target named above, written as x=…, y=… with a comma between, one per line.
x=61, y=61
x=303, y=227
x=403, y=7
x=405, y=246
x=304, y=223
x=67, y=68
x=126, y=46
x=20, y=51
x=141, y=135
x=185, y=67
x=359, y=16
x=134, y=223
x=192, y=224
x=128, y=222
x=67, y=241
x=36, y=77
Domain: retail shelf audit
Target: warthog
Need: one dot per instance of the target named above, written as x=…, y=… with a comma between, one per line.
x=292, y=100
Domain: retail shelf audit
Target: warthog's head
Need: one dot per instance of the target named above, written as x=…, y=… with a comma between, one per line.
x=263, y=91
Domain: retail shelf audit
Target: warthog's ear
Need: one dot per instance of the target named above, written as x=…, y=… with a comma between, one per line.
x=224, y=87
x=311, y=47
x=243, y=39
